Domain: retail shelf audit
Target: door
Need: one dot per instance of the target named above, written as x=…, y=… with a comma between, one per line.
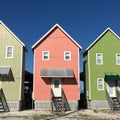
x=56, y=86
x=111, y=88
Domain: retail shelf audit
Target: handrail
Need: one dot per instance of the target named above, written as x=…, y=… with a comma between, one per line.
x=66, y=105
x=110, y=102
x=3, y=100
x=51, y=92
x=63, y=100
x=118, y=96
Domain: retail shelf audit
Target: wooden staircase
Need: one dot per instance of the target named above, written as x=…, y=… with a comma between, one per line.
x=3, y=103
x=1, y=106
x=116, y=103
x=58, y=104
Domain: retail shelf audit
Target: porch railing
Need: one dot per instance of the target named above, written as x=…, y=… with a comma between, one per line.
x=110, y=101
x=3, y=101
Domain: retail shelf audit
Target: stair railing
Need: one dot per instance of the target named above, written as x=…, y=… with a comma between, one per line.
x=63, y=100
x=110, y=101
x=52, y=95
x=118, y=96
x=3, y=100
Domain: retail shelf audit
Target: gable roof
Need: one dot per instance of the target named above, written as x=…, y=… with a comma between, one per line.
x=13, y=34
x=56, y=25
x=108, y=29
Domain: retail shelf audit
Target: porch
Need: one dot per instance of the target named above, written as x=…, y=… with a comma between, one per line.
x=58, y=78
x=113, y=91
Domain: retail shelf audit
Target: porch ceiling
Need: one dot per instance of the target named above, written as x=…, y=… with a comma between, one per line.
x=47, y=72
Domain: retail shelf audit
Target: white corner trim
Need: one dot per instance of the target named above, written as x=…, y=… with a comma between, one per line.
x=33, y=92
x=79, y=73
x=20, y=92
x=89, y=75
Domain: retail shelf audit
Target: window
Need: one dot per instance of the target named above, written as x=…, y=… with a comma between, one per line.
x=117, y=59
x=45, y=55
x=9, y=52
x=67, y=55
x=56, y=84
x=99, y=58
x=100, y=84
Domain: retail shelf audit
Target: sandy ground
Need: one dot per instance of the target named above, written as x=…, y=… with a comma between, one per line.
x=70, y=115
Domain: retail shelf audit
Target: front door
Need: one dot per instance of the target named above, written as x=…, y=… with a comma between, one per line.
x=56, y=86
x=111, y=88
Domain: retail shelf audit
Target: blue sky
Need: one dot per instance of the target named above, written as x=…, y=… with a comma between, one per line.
x=84, y=20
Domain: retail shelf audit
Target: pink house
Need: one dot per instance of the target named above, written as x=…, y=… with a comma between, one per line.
x=56, y=71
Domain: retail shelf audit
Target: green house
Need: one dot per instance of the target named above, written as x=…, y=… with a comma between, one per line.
x=101, y=64
x=12, y=67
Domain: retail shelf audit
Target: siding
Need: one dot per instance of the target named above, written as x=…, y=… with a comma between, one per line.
x=11, y=87
x=56, y=43
x=109, y=45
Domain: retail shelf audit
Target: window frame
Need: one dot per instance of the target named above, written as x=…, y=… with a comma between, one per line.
x=43, y=55
x=117, y=59
x=100, y=84
x=66, y=55
x=101, y=58
x=9, y=51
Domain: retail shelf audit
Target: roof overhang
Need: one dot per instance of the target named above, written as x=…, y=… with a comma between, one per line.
x=55, y=73
x=112, y=77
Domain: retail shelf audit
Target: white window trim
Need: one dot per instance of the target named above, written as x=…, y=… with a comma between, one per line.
x=98, y=84
x=117, y=59
x=43, y=55
x=65, y=56
x=101, y=59
x=7, y=51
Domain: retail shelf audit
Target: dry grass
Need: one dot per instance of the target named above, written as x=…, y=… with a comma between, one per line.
x=71, y=115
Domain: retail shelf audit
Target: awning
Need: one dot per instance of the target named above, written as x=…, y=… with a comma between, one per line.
x=4, y=71
x=57, y=73
x=112, y=77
